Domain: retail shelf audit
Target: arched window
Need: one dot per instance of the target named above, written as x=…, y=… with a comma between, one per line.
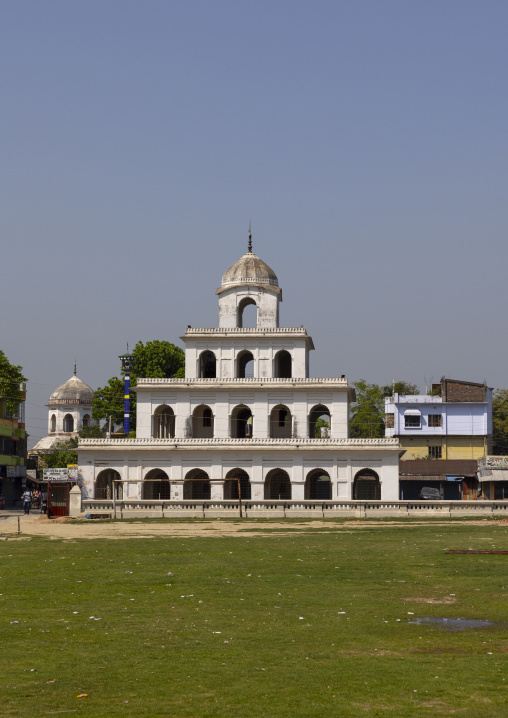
x=281, y=422
x=366, y=485
x=282, y=365
x=68, y=423
x=207, y=365
x=278, y=485
x=107, y=481
x=202, y=422
x=86, y=420
x=53, y=422
x=319, y=422
x=196, y=485
x=231, y=484
x=163, y=422
x=242, y=422
x=247, y=318
x=318, y=485
x=245, y=365
x=156, y=485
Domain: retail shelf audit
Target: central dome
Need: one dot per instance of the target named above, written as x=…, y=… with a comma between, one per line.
x=73, y=391
x=249, y=269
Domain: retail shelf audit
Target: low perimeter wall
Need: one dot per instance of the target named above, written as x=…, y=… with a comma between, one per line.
x=292, y=509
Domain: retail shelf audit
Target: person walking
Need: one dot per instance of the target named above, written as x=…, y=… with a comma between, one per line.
x=27, y=499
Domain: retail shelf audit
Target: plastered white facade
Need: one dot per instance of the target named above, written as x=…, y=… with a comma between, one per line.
x=219, y=421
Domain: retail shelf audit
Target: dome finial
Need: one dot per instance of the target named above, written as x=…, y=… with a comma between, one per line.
x=75, y=368
x=250, y=239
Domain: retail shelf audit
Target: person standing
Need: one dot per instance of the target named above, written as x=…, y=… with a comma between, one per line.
x=27, y=499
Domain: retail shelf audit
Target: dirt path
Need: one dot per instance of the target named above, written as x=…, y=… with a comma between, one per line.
x=37, y=525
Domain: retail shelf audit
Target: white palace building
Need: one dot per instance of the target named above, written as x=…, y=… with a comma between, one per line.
x=247, y=417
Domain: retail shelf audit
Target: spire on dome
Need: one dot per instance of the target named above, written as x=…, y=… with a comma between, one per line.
x=75, y=372
x=250, y=241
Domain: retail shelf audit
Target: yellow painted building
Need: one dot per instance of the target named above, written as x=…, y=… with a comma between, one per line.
x=450, y=447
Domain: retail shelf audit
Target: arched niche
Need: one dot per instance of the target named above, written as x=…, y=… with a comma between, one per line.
x=207, y=365
x=283, y=365
x=68, y=423
x=320, y=423
x=202, y=422
x=278, y=485
x=53, y=423
x=245, y=365
x=281, y=422
x=231, y=484
x=107, y=482
x=86, y=420
x=163, y=422
x=242, y=422
x=249, y=318
x=318, y=485
x=366, y=485
x=196, y=485
x=156, y=485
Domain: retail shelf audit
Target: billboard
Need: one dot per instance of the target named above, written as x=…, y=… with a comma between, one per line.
x=60, y=475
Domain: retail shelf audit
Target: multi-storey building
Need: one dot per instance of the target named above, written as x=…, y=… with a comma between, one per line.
x=247, y=415
x=452, y=426
x=12, y=449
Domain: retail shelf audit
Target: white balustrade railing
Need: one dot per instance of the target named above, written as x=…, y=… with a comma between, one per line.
x=315, y=508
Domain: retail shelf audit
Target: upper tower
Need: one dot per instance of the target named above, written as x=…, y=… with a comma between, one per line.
x=249, y=281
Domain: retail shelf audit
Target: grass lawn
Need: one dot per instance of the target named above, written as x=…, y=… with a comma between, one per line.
x=311, y=624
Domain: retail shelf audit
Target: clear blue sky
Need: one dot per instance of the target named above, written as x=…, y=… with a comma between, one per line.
x=366, y=140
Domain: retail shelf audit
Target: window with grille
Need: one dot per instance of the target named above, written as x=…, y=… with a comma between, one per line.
x=435, y=420
x=390, y=421
x=436, y=452
x=412, y=421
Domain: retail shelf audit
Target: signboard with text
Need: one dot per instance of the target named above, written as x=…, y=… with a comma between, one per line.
x=60, y=475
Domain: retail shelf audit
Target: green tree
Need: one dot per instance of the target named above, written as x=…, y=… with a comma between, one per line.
x=158, y=360
x=62, y=455
x=400, y=387
x=109, y=401
x=92, y=432
x=500, y=421
x=11, y=377
x=65, y=452
x=367, y=412
x=153, y=360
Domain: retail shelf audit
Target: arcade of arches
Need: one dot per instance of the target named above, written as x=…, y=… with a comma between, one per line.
x=277, y=485
x=242, y=422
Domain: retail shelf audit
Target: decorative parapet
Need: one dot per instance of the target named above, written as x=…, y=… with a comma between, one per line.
x=251, y=280
x=242, y=443
x=175, y=383
x=247, y=330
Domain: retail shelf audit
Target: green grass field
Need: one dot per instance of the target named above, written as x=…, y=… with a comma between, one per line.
x=307, y=624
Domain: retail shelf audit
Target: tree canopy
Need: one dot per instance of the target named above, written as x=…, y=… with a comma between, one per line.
x=65, y=452
x=153, y=360
x=500, y=421
x=11, y=377
x=367, y=412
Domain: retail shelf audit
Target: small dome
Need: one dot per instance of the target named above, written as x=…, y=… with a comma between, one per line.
x=249, y=268
x=74, y=391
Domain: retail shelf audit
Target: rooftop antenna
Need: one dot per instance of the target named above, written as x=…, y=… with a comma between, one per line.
x=250, y=239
